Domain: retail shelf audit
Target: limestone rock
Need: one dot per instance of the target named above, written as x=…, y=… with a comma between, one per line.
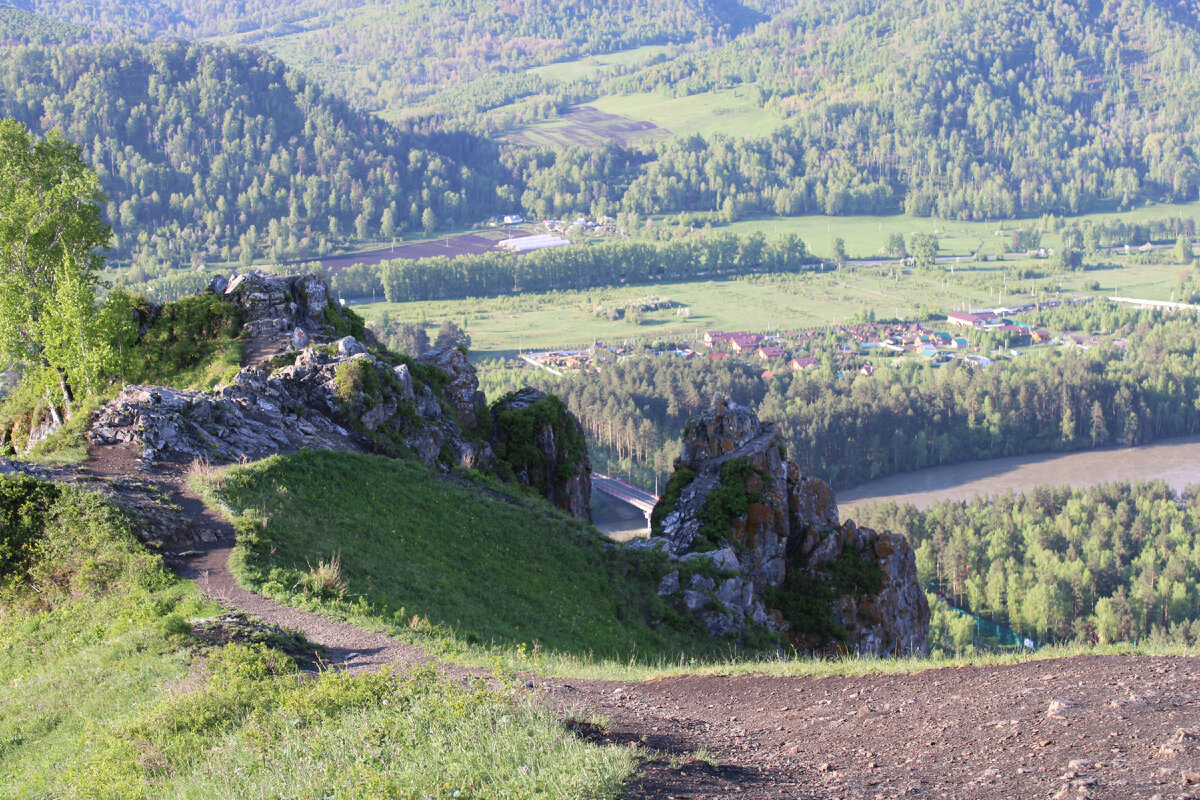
x=462, y=392
x=788, y=523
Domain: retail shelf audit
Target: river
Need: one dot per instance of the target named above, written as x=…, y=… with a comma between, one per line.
x=1176, y=461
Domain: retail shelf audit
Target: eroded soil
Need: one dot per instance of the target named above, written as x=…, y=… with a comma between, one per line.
x=1085, y=727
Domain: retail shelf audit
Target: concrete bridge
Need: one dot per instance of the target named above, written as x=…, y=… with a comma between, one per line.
x=625, y=492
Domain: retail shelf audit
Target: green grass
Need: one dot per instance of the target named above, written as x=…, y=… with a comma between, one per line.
x=727, y=111
x=503, y=326
x=865, y=236
x=465, y=570
x=591, y=66
x=105, y=693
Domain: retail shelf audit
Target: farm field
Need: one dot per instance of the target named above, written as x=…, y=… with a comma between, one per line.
x=505, y=326
x=586, y=126
x=865, y=236
x=628, y=118
x=453, y=246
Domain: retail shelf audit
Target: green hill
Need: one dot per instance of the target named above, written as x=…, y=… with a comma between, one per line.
x=208, y=152
x=117, y=681
x=18, y=25
x=979, y=109
x=456, y=566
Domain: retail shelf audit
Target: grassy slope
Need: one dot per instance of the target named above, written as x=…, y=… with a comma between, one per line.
x=448, y=564
x=407, y=544
x=103, y=693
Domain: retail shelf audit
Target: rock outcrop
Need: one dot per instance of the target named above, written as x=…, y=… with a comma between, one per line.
x=775, y=537
x=540, y=444
x=311, y=385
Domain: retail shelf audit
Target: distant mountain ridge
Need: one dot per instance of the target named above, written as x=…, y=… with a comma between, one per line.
x=977, y=109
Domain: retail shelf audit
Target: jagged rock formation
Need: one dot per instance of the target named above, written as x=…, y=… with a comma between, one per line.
x=775, y=537
x=309, y=389
x=539, y=443
x=462, y=392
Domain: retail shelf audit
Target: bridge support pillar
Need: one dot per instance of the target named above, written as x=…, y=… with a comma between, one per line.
x=649, y=527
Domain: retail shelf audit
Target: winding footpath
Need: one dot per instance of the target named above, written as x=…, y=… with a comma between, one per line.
x=1083, y=727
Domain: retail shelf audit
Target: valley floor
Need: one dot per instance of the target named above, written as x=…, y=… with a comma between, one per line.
x=1080, y=727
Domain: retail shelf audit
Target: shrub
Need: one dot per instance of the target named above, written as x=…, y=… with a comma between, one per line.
x=24, y=503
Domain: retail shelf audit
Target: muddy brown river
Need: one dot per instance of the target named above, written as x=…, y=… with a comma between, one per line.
x=1176, y=461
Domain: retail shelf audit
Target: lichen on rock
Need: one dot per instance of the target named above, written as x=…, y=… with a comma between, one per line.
x=826, y=586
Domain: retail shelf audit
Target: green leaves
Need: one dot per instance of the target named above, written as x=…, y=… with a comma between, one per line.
x=50, y=239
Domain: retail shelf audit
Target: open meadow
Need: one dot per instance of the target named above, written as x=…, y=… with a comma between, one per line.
x=505, y=326
x=633, y=117
x=865, y=236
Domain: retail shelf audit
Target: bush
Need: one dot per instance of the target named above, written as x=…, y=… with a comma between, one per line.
x=24, y=504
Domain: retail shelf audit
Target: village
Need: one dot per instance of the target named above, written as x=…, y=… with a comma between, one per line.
x=977, y=338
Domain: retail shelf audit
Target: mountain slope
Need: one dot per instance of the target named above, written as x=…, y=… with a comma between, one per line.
x=207, y=151
x=390, y=55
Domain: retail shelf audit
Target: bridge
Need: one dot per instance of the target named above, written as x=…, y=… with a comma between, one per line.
x=625, y=492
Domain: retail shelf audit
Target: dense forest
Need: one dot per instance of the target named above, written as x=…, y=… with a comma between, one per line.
x=1113, y=563
x=848, y=428
x=211, y=153
x=980, y=109
x=988, y=108
x=394, y=55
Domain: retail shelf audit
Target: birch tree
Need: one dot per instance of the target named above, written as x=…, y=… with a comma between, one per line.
x=51, y=251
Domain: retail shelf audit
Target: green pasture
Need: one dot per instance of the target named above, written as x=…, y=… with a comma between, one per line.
x=865, y=236
x=501, y=326
x=728, y=111
x=592, y=66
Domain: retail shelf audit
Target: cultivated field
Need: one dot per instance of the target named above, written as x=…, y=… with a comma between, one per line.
x=452, y=246
x=628, y=118
x=585, y=126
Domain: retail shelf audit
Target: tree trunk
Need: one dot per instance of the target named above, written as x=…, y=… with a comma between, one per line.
x=54, y=416
x=66, y=393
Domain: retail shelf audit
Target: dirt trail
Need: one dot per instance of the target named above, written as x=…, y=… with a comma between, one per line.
x=1086, y=727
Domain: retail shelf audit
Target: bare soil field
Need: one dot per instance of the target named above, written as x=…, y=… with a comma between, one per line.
x=452, y=246
x=586, y=127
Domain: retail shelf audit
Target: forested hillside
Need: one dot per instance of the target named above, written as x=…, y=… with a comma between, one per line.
x=852, y=428
x=389, y=55
x=214, y=153
x=1112, y=563
x=980, y=109
x=986, y=108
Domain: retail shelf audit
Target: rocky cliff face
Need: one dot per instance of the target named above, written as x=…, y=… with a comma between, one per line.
x=775, y=535
x=539, y=443
x=310, y=385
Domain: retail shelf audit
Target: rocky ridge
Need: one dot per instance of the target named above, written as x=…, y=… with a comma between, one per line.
x=774, y=537
x=317, y=380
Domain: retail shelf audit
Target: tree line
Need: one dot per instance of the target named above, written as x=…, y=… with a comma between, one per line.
x=578, y=267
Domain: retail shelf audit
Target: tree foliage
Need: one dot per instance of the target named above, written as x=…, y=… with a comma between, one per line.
x=51, y=239
x=1114, y=563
